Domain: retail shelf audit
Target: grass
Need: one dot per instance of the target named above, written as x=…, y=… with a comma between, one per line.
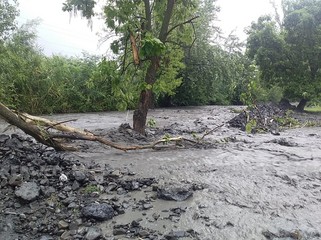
x=314, y=109
x=90, y=189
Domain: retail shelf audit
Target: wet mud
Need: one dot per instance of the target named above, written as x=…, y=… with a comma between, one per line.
x=245, y=186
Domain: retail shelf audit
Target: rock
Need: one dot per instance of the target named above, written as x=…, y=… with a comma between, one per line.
x=111, y=186
x=62, y=224
x=28, y=191
x=46, y=238
x=24, y=171
x=4, y=138
x=65, y=235
x=93, y=233
x=15, y=180
x=115, y=174
x=72, y=205
x=156, y=216
x=47, y=191
x=147, y=206
x=75, y=185
x=79, y=176
x=121, y=191
x=52, y=158
x=143, y=233
x=135, y=185
x=98, y=211
x=173, y=235
x=63, y=178
x=174, y=193
x=119, y=231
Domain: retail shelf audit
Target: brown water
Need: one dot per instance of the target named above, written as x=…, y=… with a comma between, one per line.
x=257, y=186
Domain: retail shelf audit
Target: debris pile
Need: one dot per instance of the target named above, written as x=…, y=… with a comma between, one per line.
x=264, y=117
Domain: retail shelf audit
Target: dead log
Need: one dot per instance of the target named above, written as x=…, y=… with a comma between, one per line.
x=39, y=134
x=34, y=120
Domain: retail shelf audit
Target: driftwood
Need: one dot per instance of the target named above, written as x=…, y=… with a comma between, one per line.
x=52, y=124
x=39, y=134
x=39, y=127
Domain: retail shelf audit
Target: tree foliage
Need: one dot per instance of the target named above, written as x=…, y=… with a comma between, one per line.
x=8, y=14
x=32, y=82
x=215, y=72
x=184, y=63
x=155, y=29
x=290, y=56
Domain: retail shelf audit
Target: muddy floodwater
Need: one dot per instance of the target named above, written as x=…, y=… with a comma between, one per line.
x=255, y=186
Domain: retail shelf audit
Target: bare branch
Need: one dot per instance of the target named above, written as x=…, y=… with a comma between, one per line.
x=166, y=20
x=148, y=15
x=125, y=54
x=209, y=132
x=180, y=24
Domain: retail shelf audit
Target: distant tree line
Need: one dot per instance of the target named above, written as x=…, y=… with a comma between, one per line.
x=282, y=59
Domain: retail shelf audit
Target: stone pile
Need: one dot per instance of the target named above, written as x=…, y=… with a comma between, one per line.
x=46, y=195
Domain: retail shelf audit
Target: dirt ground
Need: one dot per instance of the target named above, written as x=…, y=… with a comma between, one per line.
x=254, y=186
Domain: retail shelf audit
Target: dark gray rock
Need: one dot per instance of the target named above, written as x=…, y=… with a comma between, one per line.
x=15, y=180
x=79, y=176
x=4, y=138
x=75, y=185
x=143, y=233
x=93, y=233
x=46, y=238
x=28, y=191
x=173, y=235
x=24, y=171
x=98, y=211
x=119, y=231
x=174, y=193
x=52, y=158
x=47, y=191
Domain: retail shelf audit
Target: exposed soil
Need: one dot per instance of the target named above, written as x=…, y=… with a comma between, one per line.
x=232, y=186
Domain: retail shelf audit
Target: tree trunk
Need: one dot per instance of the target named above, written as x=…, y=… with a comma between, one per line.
x=301, y=105
x=140, y=114
x=146, y=97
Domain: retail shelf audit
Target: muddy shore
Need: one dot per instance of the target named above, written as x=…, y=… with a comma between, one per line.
x=248, y=186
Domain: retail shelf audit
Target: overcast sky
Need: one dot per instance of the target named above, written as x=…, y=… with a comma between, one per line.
x=60, y=34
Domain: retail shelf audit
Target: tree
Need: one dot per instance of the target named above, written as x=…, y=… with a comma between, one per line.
x=155, y=31
x=290, y=56
x=223, y=65
x=8, y=14
x=20, y=64
x=302, y=25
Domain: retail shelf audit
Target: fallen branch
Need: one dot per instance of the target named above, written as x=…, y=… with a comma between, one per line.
x=120, y=147
x=209, y=132
x=32, y=130
x=34, y=120
x=39, y=127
